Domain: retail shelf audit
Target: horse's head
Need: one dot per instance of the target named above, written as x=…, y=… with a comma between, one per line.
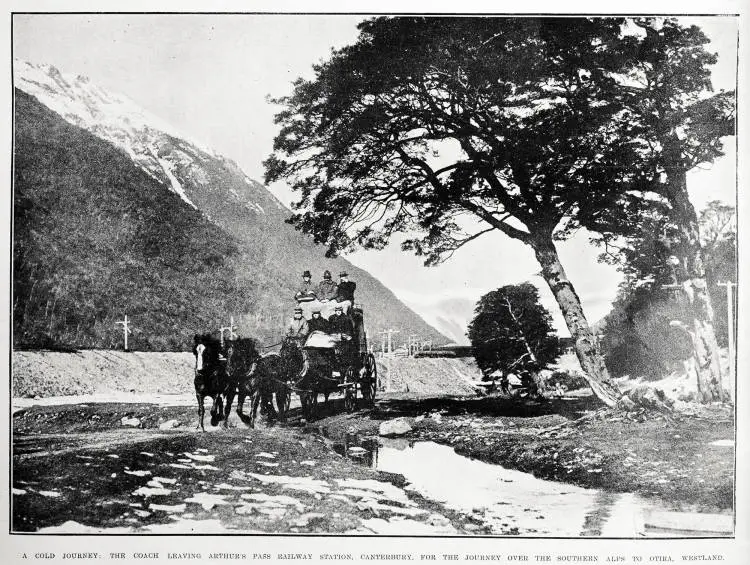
x=291, y=357
x=241, y=354
x=206, y=351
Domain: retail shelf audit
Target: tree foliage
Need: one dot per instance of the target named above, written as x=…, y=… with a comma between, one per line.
x=452, y=127
x=511, y=330
x=640, y=337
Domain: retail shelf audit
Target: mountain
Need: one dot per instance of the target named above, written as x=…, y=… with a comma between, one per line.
x=450, y=316
x=131, y=190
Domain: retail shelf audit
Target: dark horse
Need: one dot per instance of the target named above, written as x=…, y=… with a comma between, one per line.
x=309, y=371
x=256, y=377
x=210, y=377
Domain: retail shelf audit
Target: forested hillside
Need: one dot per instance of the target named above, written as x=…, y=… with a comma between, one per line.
x=95, y=237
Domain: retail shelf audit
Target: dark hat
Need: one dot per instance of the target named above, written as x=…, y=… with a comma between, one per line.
x=343, y=274
x=298, y=310
x=307, y=274
x=327, y=274
x=338, y=308
x=316, y=311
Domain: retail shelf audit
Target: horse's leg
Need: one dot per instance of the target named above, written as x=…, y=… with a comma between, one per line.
x=216, y=409
x=240, y=402
x=201, y=412
x=281, y=402
x=268, y=401
x=228, y=407
x=254, y=409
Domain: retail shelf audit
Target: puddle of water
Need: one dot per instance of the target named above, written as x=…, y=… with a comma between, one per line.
x=509, y=501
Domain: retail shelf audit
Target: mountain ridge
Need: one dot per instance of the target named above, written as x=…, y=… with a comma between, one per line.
x=271, y=254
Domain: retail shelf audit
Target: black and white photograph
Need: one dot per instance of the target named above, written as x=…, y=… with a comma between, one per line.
x=420, y=275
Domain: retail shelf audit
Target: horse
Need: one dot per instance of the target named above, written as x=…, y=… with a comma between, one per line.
x=256, y=377
x=310, y=371
x=210, y=377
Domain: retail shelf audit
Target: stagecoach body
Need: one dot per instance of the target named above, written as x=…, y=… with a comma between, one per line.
x=344, y=366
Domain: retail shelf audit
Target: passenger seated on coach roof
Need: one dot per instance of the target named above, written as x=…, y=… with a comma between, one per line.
x=298, y=327
x=327, y=289
x=306, y=292
x=318, y=323
x=345, y=290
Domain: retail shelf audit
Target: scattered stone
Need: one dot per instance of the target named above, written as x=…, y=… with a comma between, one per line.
x=396, y=427
x=18, y=491
x=207, y=500
x=165, y=480
x=138, y=473
x=169, y=424
x=437, y=417
x=203, y=458
x=132, y=422
x=438, y=520
x=225, y=486
x=176, y=508
x=152, y=491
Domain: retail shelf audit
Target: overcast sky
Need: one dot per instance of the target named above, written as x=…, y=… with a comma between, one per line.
x=210, y=76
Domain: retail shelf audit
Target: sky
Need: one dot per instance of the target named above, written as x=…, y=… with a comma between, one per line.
x=211, y=77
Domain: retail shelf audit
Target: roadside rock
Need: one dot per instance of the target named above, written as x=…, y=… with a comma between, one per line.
x=648, y=397
x=168, y=425
x=397, y=427
x=132, y=422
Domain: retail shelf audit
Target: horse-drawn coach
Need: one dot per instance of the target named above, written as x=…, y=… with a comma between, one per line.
x=320, y=363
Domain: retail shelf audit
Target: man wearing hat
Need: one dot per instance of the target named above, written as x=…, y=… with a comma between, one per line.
x=298, y=327
x=342, y=328
x=338, y=323
x=317, y=323
x=327, y=289
x=345, y=295
x=306, y=292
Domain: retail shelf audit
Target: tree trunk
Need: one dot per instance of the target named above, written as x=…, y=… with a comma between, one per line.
x=691, y=275
x=586, y=344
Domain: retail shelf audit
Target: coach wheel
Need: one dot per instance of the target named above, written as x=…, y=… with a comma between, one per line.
x=372, y=373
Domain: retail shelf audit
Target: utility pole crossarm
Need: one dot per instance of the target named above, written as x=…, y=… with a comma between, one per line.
x=125, y=329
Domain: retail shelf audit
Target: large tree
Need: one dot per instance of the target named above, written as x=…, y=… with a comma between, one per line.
x=512, y=330
x=449, y=128
x=677, y=123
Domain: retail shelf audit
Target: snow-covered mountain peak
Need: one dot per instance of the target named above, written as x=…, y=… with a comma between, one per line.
x=196, y=173
x=86, y=104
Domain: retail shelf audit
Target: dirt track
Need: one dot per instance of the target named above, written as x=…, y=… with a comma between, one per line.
x=104, y=476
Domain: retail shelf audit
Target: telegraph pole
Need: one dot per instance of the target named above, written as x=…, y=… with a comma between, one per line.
x=125, y=329
x=730, y=325
x=388, y=335
x=230, y=328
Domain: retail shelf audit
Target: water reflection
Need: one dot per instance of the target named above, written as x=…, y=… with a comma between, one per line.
x=509, y=501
